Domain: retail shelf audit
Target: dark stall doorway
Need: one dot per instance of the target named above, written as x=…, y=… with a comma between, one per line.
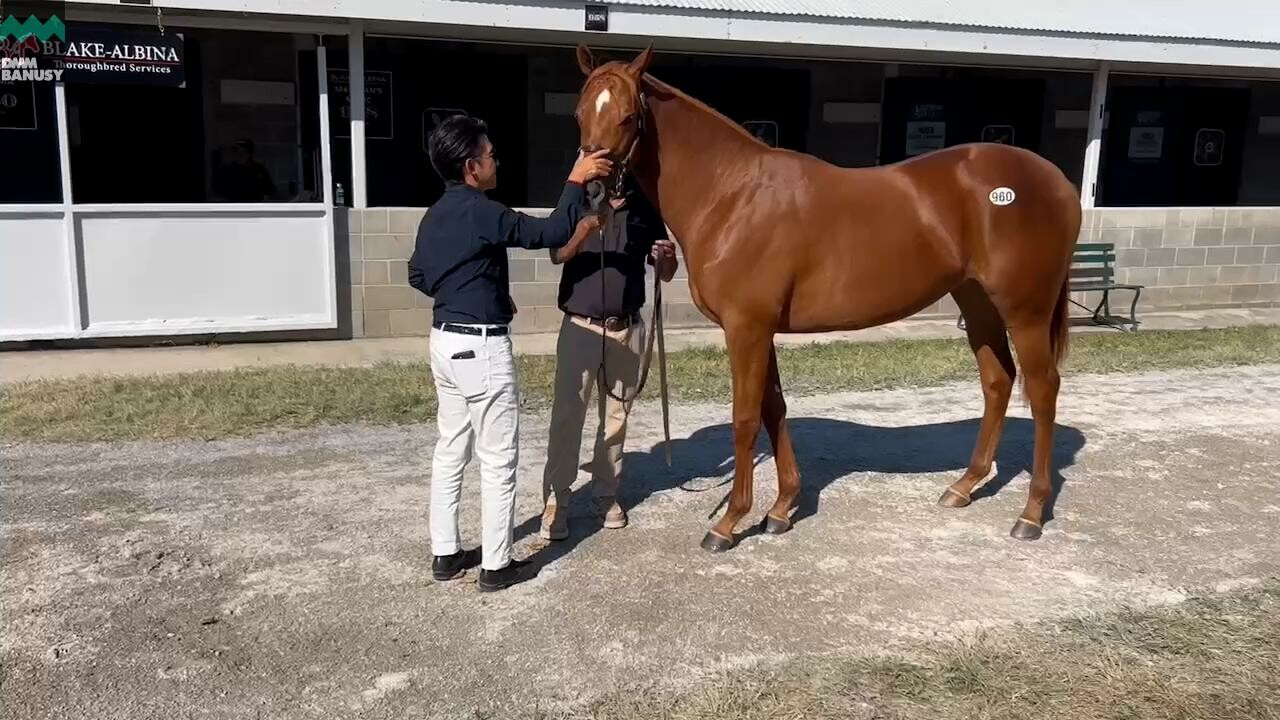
x=138, y=144
x=771, y=102
x=925, y=114
x=1174, y=146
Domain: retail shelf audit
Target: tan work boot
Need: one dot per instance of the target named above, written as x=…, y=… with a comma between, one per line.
x=614, y=516
x=555, y=522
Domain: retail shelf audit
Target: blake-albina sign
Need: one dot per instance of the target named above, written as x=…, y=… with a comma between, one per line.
x=109, y=54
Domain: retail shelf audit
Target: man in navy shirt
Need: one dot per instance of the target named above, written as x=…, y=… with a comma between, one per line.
x=460, y=260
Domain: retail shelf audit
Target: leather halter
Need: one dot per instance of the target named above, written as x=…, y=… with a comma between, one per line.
x=641, y=114
x=619, y=176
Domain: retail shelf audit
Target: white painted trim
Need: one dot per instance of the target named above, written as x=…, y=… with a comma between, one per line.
x=355, y=82
x=49, y=210
x=196, y=208
x=76, y=320
x=639, y=24
x=1093, y=145
x=234, y=19
x=190, y=327
x=326, y=173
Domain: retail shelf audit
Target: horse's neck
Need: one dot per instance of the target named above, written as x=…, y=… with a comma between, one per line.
x=698, y=158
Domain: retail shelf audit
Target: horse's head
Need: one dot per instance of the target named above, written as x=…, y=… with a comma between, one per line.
x=611, y=109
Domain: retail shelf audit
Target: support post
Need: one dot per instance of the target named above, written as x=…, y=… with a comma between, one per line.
x=326, y=174
x=68, y=208
x=1093, y=147
x=355, y=61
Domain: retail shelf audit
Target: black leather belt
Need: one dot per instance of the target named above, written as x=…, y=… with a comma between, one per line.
x=613, y=323
x=470, y=330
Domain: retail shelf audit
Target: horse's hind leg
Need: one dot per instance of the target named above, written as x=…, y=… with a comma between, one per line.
x=990, y=345
x=774, y=414
x=1040, y=375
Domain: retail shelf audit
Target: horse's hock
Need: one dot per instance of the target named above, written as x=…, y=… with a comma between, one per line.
x=1195, y=259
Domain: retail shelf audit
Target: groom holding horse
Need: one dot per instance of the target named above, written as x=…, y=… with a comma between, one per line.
x=600, y=296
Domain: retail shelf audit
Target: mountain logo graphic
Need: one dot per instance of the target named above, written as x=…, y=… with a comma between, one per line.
x=42, y=30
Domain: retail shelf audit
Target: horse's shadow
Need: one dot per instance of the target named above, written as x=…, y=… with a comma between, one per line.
x=826, y=450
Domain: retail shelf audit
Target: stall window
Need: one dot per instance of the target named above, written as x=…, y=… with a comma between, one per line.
x=29, y=143
x=234, y=132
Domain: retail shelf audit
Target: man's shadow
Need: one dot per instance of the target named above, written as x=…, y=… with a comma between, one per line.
x=826, y=450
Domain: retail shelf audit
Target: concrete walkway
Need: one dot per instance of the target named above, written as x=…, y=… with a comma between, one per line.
x=20, y=365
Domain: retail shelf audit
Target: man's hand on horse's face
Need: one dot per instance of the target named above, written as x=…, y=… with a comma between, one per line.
x=663, y=249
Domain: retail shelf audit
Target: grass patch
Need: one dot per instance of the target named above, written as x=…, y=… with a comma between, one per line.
x=1216, y=657
x=243, y=402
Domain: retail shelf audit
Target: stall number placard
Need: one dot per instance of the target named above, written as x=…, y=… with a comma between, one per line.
x=1146, y=143
x=923, y=137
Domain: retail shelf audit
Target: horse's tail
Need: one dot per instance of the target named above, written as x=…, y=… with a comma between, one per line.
x=1059, y=327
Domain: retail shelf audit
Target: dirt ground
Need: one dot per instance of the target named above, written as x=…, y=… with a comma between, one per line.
x=287, y=576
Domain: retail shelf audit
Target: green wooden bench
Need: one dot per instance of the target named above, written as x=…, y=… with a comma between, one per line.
x=1093, y=270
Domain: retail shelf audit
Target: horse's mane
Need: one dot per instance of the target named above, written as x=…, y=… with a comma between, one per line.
x=663, y=91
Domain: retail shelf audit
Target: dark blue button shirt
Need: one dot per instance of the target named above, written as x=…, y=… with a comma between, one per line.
x=460, y=257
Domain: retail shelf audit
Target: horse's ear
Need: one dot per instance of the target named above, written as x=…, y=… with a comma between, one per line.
x=640, y=65
x=586, y=62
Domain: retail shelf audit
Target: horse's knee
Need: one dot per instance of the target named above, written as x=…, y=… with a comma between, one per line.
x=997, y=386
x=746, y=427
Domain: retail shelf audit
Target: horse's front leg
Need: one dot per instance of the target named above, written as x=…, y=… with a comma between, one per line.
x=749, y=347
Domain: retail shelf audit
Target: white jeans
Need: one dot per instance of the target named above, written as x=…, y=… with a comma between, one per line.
x=478, y=406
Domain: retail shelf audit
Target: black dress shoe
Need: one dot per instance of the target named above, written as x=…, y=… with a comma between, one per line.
x=517, y=571
x=452, y=567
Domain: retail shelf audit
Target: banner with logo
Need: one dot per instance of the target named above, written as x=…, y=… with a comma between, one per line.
x=38, y=44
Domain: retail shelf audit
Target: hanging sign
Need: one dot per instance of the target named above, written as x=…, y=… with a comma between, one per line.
x=377, y=104
x=94, y=54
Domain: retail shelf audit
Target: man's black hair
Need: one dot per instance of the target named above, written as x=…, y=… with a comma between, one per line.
x=454, y=141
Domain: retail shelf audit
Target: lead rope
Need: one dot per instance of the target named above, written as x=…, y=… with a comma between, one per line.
x=655, y=333
x=655, y=325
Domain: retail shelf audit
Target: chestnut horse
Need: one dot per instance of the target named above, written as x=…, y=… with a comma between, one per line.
x=780, y=241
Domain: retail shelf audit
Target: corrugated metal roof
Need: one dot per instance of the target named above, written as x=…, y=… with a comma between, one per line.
x=1247, y=21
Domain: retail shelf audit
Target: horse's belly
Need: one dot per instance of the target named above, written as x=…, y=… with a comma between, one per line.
x=858, y=299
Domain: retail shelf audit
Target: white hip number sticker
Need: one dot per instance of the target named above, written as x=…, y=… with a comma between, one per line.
x=1002, y=196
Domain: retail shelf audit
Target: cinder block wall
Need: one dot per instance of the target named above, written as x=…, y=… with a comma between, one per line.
x=1186, y=258
x=1196, y=258
x=383, y=304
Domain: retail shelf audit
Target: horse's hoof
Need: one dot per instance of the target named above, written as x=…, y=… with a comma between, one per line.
x=1025, y=530
x=952, y=499
x=776, y=526
x=716, y=543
